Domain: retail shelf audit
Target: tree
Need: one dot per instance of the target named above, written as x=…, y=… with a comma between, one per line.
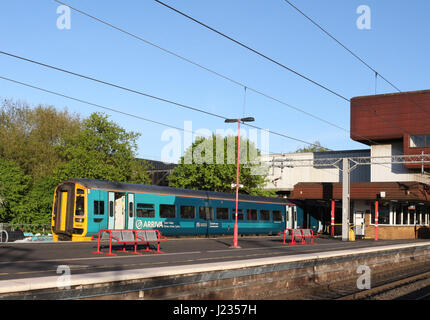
x=316, y=147
x=30, y=137
x=210, y=164
x=40, y=147
x=101, y=150
x=14, y=185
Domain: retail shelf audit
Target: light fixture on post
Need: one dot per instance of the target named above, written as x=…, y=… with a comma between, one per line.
x=236, y=228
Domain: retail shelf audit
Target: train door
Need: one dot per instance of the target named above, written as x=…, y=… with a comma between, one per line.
x=293, y=221
x=289, y=217
x=130, y=213
x=111, y=218
x=63, y=212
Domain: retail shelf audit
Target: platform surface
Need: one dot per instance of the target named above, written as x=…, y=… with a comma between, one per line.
x=31, y=260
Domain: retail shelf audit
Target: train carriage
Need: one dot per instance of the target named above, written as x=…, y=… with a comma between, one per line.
x=83, y=206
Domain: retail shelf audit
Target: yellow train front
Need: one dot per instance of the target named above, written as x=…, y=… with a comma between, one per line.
x=82, y=207
x=70, y=212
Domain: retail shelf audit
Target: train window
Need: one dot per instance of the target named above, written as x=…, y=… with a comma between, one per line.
x=206, y=213
x=239, y=214
x=80, y=191
x=80, y=205
x=265, y=215
x=145, y=210
x=99, y=207
x=188, y=212
x=111, y=208
x=252, y=214
x=131, y=209
x=222, y=213
x=167, y=211
x=277, y=215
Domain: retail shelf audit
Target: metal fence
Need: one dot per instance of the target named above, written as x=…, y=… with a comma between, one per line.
x=26, y=227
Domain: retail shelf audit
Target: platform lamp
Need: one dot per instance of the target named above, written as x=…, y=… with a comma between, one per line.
x=239, y=120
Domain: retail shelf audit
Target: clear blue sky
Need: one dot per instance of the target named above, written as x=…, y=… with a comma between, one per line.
x=396, y=45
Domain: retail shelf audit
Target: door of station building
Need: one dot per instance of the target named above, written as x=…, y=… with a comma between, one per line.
x=359, y=223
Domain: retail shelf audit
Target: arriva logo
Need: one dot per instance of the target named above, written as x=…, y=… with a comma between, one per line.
x=148, y=224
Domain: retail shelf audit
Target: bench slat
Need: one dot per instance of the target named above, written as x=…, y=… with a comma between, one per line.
x=128, y=235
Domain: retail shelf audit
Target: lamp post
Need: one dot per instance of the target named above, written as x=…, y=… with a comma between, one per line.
x=239, y=120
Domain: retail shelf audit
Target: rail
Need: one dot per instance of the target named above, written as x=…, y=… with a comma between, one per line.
x=372, y=292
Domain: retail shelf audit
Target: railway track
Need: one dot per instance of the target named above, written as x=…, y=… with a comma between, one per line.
x=415, y=287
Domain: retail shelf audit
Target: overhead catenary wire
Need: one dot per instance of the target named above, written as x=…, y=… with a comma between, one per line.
x=103, y=107
x=253, y=50
x=377, y=74
x=262, y=55
x=94, y=104
x=245, y=86
x=150, y=96
x=341, y=44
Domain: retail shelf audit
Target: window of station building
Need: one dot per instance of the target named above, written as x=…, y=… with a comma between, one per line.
x=251, y=215
x=398, y=214
x=419, y=141
x=222, y=213
x=206, y=213
x=99, y=207
x=187, y=212
x=167, y=211
x=277, y=215
x=145, y=210
x=265, y=215
x=383, y=213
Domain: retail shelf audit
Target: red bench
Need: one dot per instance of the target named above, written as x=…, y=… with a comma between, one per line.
x=130, y=236
x=150, y=236
x=308, y=234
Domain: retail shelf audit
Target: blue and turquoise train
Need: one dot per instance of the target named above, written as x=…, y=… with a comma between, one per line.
x=84, y=206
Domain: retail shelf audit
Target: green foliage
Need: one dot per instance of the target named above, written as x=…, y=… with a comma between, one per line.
x=210, y=164
x=29, y=137
x=101, y=150
x=314, y=148
x=14, y=185
x=41, y=147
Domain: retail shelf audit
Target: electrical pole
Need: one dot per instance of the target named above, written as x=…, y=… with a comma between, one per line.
x=345, y=199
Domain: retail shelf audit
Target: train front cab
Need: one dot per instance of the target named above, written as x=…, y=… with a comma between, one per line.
x=69, y=214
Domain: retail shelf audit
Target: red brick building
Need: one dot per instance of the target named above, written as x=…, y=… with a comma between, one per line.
x=391, y=125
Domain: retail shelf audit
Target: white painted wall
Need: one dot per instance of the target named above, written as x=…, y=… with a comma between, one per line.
x=391, y=172
x=291, y=176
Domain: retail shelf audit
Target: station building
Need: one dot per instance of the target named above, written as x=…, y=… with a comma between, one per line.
x=389, y=125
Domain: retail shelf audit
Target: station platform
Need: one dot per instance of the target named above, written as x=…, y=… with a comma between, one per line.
x=28, y=267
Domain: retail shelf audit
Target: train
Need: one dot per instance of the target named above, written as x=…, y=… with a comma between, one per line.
x=82, y=207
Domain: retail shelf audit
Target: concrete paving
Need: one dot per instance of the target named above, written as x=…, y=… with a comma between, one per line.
x=29, y=260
